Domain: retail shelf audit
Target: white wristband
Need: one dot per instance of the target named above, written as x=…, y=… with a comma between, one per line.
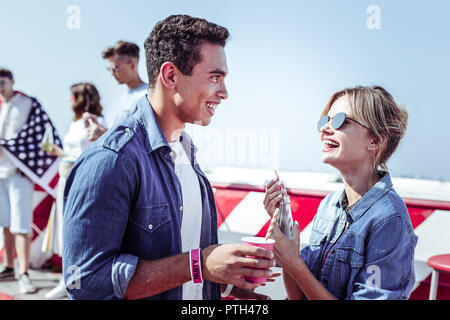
x=227, y=291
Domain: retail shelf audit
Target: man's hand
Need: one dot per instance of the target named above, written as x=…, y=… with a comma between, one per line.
x=228, y=263
x=56, y=151
x=94, y=129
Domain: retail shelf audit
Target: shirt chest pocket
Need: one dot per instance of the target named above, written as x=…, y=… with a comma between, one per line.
x=151, y=232
x=348, y=262
x=152, y=219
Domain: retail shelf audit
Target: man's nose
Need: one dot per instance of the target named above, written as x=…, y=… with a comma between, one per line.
x=222, y=93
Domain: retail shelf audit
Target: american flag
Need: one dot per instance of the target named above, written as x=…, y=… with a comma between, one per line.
x=25, y=152
x=25, y=149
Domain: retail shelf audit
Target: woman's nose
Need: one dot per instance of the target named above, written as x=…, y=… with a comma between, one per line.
x=326, y=127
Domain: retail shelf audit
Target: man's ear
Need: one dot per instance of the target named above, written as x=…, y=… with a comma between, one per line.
x=168, y=73
x=135, y=63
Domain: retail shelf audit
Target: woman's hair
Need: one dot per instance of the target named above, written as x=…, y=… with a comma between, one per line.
x=85, y=99
x=375, y=108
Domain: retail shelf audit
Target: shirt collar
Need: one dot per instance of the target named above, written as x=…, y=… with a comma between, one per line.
x=146, y=116
x=366, y=201
x=155, y=135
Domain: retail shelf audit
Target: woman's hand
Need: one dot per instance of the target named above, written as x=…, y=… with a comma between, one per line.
x=286, y=251
x=298, y=280
x=94, y=129
x=274, y=195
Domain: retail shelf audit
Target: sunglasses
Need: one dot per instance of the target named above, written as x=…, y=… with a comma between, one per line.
x=116, y=68
x=336, y=122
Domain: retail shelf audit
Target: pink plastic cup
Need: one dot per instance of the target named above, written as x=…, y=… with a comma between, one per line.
x=258, y=242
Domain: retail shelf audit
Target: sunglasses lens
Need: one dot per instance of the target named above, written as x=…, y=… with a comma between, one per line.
x=322, y=121
x=338, y=120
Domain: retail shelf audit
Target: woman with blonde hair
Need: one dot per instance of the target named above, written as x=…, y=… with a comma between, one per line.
x=85, y=98
x=362, y=241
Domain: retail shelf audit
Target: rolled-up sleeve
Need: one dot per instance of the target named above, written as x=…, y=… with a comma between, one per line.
x=388, y=272
x=122, y=271
x=98, y=197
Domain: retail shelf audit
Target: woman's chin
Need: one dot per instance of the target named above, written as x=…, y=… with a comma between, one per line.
x=329, y=160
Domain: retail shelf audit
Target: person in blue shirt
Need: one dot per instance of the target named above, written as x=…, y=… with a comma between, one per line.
x=362, y=241
x=138, y=209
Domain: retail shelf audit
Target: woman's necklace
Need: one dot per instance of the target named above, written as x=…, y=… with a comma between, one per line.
x=346, y=207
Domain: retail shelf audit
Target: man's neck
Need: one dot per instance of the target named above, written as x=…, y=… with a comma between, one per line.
x=170, y=124
x=134, y=83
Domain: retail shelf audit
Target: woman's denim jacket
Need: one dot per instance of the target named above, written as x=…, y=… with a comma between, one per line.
x=374, y=257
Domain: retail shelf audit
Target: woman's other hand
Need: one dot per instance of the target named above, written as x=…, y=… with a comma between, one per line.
x=274, y=195
x=286, y=250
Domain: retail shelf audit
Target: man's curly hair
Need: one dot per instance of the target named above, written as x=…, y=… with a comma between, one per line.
x=177, y=39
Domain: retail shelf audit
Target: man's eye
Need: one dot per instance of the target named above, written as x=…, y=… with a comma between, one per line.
x=215, y=78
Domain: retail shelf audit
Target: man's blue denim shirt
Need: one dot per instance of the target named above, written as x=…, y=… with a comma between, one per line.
x=374, y=257
x=123, y=203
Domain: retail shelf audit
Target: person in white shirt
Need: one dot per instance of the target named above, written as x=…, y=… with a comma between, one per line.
x=123, y=61
x=16, y=190
x=85, y=99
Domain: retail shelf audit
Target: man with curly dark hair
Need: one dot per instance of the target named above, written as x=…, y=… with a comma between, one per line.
x=140, y=220
x=177, y=39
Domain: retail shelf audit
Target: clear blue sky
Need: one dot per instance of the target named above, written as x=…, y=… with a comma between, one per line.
x=285, y=58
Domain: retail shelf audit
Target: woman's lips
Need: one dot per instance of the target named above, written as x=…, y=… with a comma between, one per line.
x=329, y=145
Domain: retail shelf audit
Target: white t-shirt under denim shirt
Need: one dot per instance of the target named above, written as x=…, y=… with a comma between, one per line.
x=127, y=102
x=191, y=224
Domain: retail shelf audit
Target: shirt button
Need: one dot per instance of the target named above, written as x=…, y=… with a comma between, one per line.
x=181, y=208
x=127, y=129
x=171, y=153
x=150, y=226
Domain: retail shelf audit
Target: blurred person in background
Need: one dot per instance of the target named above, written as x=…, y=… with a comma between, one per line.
x=123, y=61
x=85, y=99
x=16, y=190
